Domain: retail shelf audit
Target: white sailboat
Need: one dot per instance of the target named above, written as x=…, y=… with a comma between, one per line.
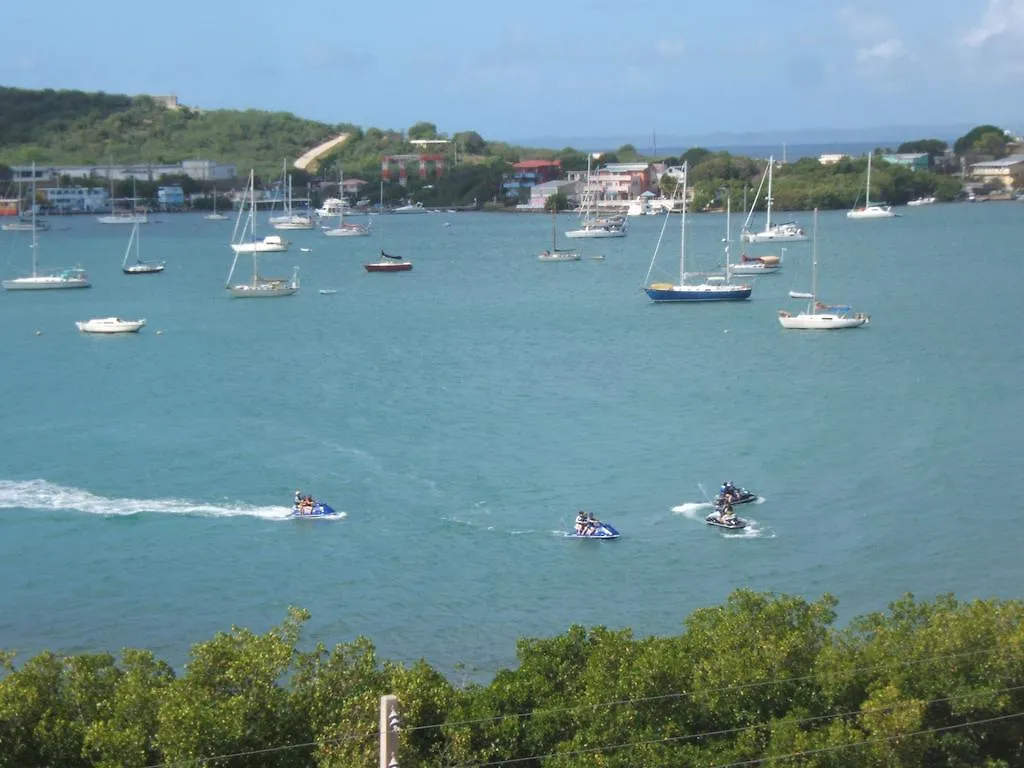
x=590, y=224
x=110, y=325
x=870, y=210
x=343, y=229
x=259, y=286
x=41, y=281
x=215, y=216
x=819, y=316
x=131, y=216
x=140, y=267
x=23, y=223
x=293, y=220
x=787, y=231
x=716, y=288
x=556, y=253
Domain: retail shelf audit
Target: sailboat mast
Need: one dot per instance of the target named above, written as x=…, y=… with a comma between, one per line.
x=682, y=228
x=728, y=233
x=771, y=168
x=35, y=235
x=867, y=188
x=814, y=262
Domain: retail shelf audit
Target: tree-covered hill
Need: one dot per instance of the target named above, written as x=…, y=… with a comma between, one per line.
x=73, y=127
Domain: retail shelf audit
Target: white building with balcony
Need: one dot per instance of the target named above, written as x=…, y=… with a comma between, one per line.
x=77, y=199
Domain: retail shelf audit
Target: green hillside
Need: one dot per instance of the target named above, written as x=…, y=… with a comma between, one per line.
x=55, y=127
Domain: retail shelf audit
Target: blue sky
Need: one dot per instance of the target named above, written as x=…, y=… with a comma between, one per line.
x=529, y=68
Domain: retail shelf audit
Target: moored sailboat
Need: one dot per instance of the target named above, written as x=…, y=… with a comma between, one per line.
x=870, y=210
x=788, y=231
x=819, y=316
x=140, y=267
x=41, y=281
x=711, y=289
x=556, y=253
x=259, y=286
x=387, y=261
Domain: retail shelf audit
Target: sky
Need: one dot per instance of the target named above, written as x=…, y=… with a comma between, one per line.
x=546, y=68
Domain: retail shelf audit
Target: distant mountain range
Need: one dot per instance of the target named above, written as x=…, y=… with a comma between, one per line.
x=819, y=137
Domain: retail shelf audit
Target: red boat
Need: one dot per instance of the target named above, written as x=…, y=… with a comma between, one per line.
x=389, y=263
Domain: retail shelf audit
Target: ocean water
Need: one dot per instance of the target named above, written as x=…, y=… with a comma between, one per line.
x=462, y=413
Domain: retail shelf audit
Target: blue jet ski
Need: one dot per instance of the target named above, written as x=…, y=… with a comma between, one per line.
x=314, y=509
x=599, y=531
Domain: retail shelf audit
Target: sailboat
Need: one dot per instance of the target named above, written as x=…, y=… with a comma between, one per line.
x=131, y=216
x=870, y=211
x=259, y=286
x=818, y=316
x=712, y=289
x=788, y=231
x=387, y=261
x=140, y=267
x=24, y=223
x=290, y=219
x=215, y=216
x=758, y=265
x=239, y=243
x=556, y=253
x=590, y=224
x=343, y=229
x=39, y=281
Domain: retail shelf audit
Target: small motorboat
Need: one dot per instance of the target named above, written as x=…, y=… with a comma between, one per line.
x=600, y=531
x=314, y=509
x=730, y=522
x=110, y=325
x=328, y=291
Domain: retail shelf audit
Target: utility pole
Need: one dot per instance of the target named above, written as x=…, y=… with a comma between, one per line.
x=390, y=725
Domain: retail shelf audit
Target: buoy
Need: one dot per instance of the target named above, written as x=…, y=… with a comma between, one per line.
x=726, y=330
x=159, y=333
x=39, y=333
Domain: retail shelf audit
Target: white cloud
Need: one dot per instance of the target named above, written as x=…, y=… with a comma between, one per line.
x=1003, y=20
x=882, y=52
x=877, y=47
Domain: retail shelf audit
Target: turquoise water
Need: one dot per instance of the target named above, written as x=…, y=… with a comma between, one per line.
x=462, y=413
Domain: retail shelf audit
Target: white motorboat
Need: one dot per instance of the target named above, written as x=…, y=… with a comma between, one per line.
x=757, y=265
x=296, y=221
x=269, y=244
x=788, y=231
x=819, y=316
x=870, y=210
x=411, y=208
x=110, y=325
x=921, y=201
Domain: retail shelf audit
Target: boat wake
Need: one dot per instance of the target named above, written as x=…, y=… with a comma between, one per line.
x=752, y=531
x=41, y=495
x=692, y=509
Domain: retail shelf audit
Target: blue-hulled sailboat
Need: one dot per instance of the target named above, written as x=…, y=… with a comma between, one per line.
x=711, y=289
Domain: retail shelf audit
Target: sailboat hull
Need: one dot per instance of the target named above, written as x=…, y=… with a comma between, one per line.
x=874, y=212
x=576, y=234
x=262, y=291
x=143, y=269
x=664, y=293
x=44, y=283
x=823, y=321
x=772, y=237
x=389, y=266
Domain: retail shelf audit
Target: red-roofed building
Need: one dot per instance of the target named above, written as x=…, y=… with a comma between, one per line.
x=527, y=174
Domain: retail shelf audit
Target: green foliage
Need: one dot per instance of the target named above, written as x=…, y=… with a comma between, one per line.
x=987, y=135
x=934, y=147
x=761, y=678
x=423, y=130
x=557, y=202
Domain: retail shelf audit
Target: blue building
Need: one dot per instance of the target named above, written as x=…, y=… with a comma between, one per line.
x=170, y=197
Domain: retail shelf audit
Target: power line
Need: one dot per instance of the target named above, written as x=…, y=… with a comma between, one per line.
x=704, y=691
x=641, y=700
x=741, y=729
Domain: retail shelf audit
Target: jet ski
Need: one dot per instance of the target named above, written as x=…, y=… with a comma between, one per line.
x=730, y=522
x=738, y=496
x=316, y=509
x=601, y=531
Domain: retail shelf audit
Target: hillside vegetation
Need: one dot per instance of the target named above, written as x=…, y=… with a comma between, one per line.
x=72, y=127
x=760, y=680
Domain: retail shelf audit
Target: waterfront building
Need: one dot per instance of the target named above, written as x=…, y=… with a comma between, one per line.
x=170, y=197
x=77, y=199
x=201, y=170
x=999, y=170
x=540, y=193
x=527, y=174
